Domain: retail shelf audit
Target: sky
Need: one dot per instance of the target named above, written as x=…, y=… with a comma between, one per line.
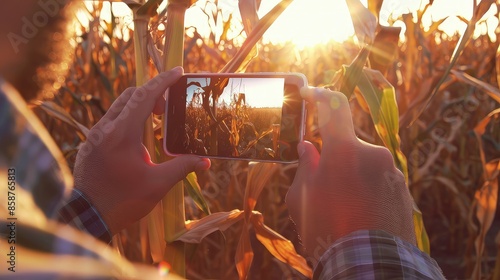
x=310, y=22
x=258, y=92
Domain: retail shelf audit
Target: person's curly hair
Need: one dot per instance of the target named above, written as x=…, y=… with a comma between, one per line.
x=47, y=56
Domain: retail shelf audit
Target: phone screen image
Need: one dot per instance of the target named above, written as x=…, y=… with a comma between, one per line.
x=235, y=117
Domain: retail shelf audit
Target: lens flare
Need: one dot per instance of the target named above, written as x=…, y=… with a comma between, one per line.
x=163, y=268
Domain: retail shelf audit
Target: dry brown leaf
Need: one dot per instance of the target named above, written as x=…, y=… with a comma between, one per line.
x=244, y=254
x=492, y=91
x=280, y=247
x=486, y=197
x=259, y=175
x=199, y=229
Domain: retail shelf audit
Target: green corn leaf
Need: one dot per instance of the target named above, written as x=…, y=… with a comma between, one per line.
x=420, y=232
x=380, y=97
x=353, y=73
x=194, y=191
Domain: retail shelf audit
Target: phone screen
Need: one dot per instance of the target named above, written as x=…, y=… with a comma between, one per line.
x=246, y=117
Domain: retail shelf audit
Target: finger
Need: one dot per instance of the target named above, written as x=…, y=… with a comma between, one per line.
x=170, y=172
x=141, y=104
x=159, y=108
x=308, y=162
x=334, y=115
x=119, y=104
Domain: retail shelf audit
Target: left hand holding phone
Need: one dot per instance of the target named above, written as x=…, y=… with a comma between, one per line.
x=114, y=170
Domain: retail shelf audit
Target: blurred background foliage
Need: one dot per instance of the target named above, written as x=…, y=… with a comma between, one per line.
x=452, y=147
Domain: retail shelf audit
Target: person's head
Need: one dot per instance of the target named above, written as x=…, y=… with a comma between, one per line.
x=35, y=48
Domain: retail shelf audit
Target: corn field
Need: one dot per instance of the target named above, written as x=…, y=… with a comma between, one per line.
x=446, y=137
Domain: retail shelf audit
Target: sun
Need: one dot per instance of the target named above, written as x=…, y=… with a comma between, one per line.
x=309, y=22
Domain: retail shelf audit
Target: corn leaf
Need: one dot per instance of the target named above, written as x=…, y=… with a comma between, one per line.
x=241, y=56
x=492, y=91
x=487, y=196
x=259, y=175
x=385, y=48
x=59, y=113
x=479, y=12
x=244, y=254
x=248, y=12
x=280, y=247
x=380, y=97
x=375, y=6
x=353, y=73
x=423, y=242
x=364, y=22
x=194, y=191
x=197, y=230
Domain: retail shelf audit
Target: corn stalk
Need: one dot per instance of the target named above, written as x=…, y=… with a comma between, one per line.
x=141, y=21
x=173, y=203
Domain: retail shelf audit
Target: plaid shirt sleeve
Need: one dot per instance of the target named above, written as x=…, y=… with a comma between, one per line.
x=79, y=213
x=375, y=254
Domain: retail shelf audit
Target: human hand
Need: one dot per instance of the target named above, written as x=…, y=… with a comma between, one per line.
x=352, y=185
x=113, y=169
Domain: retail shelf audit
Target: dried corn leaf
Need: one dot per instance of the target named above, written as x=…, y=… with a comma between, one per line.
x=199, y=229
x=280, y=247
x=364, y=22
x=248, y=12
x=375, y=6
x=487, y=196
x=479, y=12
x=385, y=48
x=59, y=113
x=492, y=91
x=244, y=54
x=244, y=254
x=259, y=175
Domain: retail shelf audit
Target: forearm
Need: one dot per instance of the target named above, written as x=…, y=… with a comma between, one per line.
x=375, y=254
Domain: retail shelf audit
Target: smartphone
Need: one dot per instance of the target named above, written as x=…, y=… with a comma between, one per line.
x=257, y=116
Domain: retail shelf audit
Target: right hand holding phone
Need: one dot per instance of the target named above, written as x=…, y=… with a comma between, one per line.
x=352, y=185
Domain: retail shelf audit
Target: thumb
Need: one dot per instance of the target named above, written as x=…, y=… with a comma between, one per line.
x=171, y=172
x=334, y=115
x=308, y=162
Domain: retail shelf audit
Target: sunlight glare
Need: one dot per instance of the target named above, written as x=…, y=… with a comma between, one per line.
x=309, y=22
